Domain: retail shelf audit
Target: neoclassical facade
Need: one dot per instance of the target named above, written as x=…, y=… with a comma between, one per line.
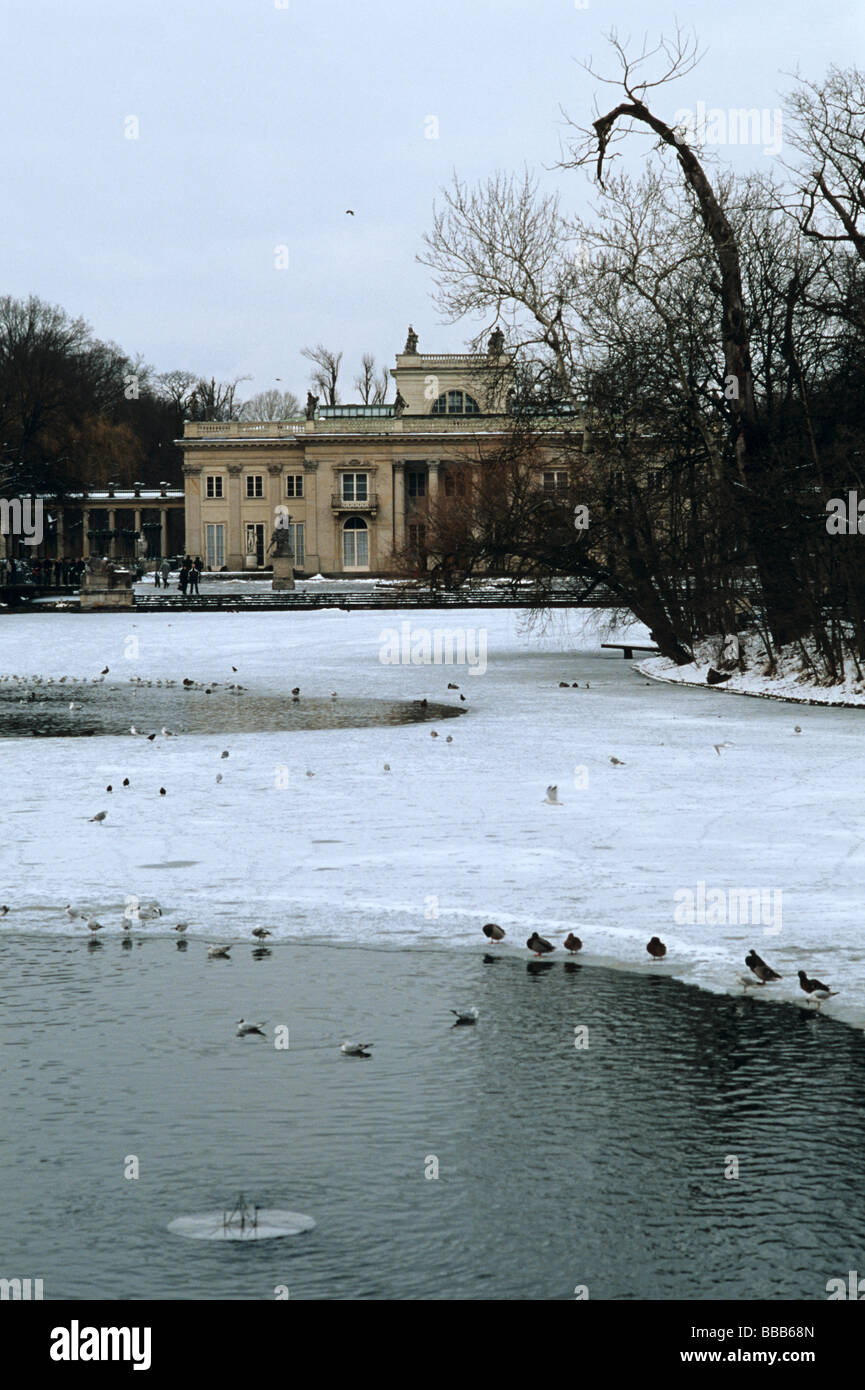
x=351, y=482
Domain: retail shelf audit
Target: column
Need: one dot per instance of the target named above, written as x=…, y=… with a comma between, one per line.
x=85, y=539
x=193, y=531
x=59, y=536
x=276, y=498
x=112, y=542
x=398, y=505
x=310, y=491
x=433, y=475
x=235, y=548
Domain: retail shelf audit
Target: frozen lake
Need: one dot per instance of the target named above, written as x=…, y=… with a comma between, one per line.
x=456, y=833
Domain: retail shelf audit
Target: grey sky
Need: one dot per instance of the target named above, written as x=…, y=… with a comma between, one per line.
x=259, y=126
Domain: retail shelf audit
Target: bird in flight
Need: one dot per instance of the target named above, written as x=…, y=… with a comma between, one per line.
x=243, y=1028
x=349, y=212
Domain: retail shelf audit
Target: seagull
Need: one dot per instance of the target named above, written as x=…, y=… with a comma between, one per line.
x=309, y=774
x=132, y=729
x=349, y=212
x=617, y=762
x=493, y=931
x=448, y=739
x=260, y=932
x=166, y=733
x=93, y=925
x=470, y=1017
x=539, y=945
x=219, y=776
x=99, y=817
x=243, y=1028
x=797, y=728
x=74, y=914
x=126, y=781
x=109, y=788
x=213, y=952
x=433, y=733
x=3, y=911
x=573, y=943
x=105, y=671
x=815, y=989
x=296, y=690
x=224, y=753
x=387, y=767
x=353, y=1049
x=451, y=686
x=765, y=974
x=162, y=791
x=552, y=797
x=718, y=746
x=150, y=738
x=181, y=926
x=462, y=697
x=656, y=948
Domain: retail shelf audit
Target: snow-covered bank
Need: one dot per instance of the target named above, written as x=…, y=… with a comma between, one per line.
x=455, y=834
x=791, y=680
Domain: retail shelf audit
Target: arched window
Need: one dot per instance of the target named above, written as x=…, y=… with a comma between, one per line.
x=355, y=544
x=455, y=403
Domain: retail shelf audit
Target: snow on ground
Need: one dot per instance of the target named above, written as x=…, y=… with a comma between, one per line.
x=456, y=834
x=791, y=680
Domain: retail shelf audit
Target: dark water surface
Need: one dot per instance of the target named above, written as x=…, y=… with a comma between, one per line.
x=557, y=1167
x=41, y=711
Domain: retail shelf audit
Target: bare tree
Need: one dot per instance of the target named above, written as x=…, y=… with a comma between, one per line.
x=214, y=400
x=326, y=371
x=828, y=129
x=272, y=404
x=371, y=384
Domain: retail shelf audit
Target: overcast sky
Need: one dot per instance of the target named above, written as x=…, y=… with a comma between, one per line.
x=261, y=121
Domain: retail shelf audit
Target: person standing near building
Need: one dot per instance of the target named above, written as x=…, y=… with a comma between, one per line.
x=184, y=576
x=156, y=574
x=165, y=568
x=193, y=577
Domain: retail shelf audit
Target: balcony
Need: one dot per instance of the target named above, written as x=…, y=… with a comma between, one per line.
x=344, y=504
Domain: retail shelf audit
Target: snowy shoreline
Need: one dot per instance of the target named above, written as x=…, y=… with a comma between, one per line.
x=661, y=670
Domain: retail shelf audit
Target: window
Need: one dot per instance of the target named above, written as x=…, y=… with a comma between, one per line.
x=294, y=485
x=295, y=536
x=354, y=487
x=417, y=539
x=355, y=544
x=417, y=484
x=214, y=485
x=455, y=403
x=455, y=484
x=255, y=541
x=215, y=546
x=254, y=485
x=556, y=482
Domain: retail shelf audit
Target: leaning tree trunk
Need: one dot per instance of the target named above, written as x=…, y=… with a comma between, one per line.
x=758, y=509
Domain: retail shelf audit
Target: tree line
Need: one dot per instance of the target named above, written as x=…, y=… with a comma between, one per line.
x=76, y=411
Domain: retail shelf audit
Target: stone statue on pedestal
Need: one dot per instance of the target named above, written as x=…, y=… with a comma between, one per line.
x=311, y=405
x=411, y=341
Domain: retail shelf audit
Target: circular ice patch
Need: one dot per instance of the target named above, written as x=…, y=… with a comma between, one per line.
x=267, y=1223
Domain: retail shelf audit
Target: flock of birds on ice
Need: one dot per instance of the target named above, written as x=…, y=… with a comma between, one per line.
x=761, y=974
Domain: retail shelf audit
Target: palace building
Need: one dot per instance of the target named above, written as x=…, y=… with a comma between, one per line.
x=351, y=482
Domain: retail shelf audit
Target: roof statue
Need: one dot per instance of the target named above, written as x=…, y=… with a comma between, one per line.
x=411, y=341
x=496, y=344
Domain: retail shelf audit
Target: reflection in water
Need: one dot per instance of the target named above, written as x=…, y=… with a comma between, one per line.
x=113, y=709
